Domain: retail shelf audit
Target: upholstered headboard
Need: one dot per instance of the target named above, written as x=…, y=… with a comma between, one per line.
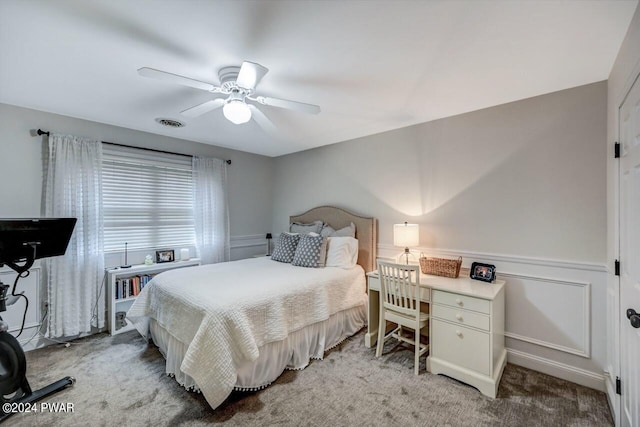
x=366, y=229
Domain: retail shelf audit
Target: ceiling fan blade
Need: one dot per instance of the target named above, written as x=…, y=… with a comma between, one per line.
x=262, y=120
x=250, y=75
x=289, y=105
x=205, y=107
x=174, y=78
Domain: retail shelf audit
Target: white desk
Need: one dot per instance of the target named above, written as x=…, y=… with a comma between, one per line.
x=466, y=328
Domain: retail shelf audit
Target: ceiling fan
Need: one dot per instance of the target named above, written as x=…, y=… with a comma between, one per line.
x=239, y=85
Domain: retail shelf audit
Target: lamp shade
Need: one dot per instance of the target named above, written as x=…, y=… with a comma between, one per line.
x=236, y=111
x=406, y=235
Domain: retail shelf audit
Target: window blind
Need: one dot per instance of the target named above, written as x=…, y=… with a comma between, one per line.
x=147, y=199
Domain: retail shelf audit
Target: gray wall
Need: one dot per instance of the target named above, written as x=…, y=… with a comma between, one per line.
x=21, y=167
x=525, y=178
x=521, y=186
x=250, y=175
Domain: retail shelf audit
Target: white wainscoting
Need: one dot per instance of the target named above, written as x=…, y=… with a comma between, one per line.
x=248, y=246
x=555, y=311
x=546, y=319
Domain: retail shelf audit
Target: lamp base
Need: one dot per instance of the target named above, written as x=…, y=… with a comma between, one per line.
x=403, y=258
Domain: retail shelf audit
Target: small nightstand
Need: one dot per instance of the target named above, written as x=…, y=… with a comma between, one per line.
x=122, y=303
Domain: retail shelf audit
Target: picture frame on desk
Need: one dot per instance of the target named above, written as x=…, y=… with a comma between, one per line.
x=483, y=272
x=165, y=255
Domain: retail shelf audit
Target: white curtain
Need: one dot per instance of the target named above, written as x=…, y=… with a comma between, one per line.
x=211, y=212
x=73, y=188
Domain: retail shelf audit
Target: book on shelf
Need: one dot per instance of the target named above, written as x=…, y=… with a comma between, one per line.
x=131, y=286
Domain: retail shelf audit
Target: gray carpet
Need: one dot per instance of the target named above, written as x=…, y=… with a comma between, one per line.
x=121, y=382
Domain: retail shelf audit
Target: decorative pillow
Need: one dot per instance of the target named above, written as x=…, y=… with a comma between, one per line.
x=323, y=249
x=348, y=231
x=342, y=252
x=308, y=251
x=286, y=247
x=313, y=227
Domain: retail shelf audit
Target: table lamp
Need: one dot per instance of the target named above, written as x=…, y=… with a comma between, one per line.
x=407, y=235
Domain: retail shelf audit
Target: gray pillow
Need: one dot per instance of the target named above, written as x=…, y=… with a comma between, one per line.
x=286, y=247
x=313, y=227
x=309, y=251
x=327, y=230
x=348, y=231
x=323, y=249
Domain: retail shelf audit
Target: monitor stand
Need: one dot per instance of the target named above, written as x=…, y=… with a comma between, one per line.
x=13, y=365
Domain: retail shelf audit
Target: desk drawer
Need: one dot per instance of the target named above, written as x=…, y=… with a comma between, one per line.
x=461, y=346
x=462, y=301
x=462, y=317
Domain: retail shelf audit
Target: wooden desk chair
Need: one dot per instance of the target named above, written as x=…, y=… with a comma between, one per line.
x=400, y=304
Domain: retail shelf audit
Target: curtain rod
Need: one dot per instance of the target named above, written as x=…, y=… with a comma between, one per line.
x=42, y=132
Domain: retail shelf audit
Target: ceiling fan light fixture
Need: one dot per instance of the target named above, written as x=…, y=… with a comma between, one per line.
x=236, y=111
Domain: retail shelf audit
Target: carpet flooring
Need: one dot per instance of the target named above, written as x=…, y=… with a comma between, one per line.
x=121, y=382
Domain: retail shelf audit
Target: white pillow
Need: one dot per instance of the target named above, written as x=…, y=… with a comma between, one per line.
x=342, y=252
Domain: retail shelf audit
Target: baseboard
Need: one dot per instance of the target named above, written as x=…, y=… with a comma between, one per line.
x=557, y=369
x=40, y=341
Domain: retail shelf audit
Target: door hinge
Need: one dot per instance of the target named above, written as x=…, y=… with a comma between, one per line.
x=618, y=386
x=616, y=268
x=616, y=150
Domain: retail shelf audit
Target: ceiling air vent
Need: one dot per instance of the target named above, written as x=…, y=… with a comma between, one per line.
x=170, y=123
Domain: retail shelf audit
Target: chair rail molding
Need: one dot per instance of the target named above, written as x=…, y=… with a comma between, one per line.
x=248, y=241
x=246, y=246
x=388, y=250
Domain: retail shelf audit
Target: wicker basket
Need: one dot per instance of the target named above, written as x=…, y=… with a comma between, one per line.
x=440, y=266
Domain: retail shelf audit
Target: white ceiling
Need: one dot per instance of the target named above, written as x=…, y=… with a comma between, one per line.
x=372, y=66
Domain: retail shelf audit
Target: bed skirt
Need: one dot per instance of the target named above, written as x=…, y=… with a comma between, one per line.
x=294, y=352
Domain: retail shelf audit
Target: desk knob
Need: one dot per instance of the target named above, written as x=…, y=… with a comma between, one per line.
x=459, y=333
x=458, y=301
x=459, y=317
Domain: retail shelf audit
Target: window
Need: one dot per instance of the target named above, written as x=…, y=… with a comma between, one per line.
x=147, y=199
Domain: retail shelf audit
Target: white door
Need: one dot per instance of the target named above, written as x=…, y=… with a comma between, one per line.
x=630, y=256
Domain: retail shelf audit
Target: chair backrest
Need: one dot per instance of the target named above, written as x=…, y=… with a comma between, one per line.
x=399, y=290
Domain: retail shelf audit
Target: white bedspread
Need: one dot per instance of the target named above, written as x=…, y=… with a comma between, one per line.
x=226, y=311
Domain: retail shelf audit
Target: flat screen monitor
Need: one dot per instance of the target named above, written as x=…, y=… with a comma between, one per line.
x=47, y=236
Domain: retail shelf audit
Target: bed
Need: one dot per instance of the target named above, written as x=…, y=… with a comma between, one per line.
x=238, y=325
